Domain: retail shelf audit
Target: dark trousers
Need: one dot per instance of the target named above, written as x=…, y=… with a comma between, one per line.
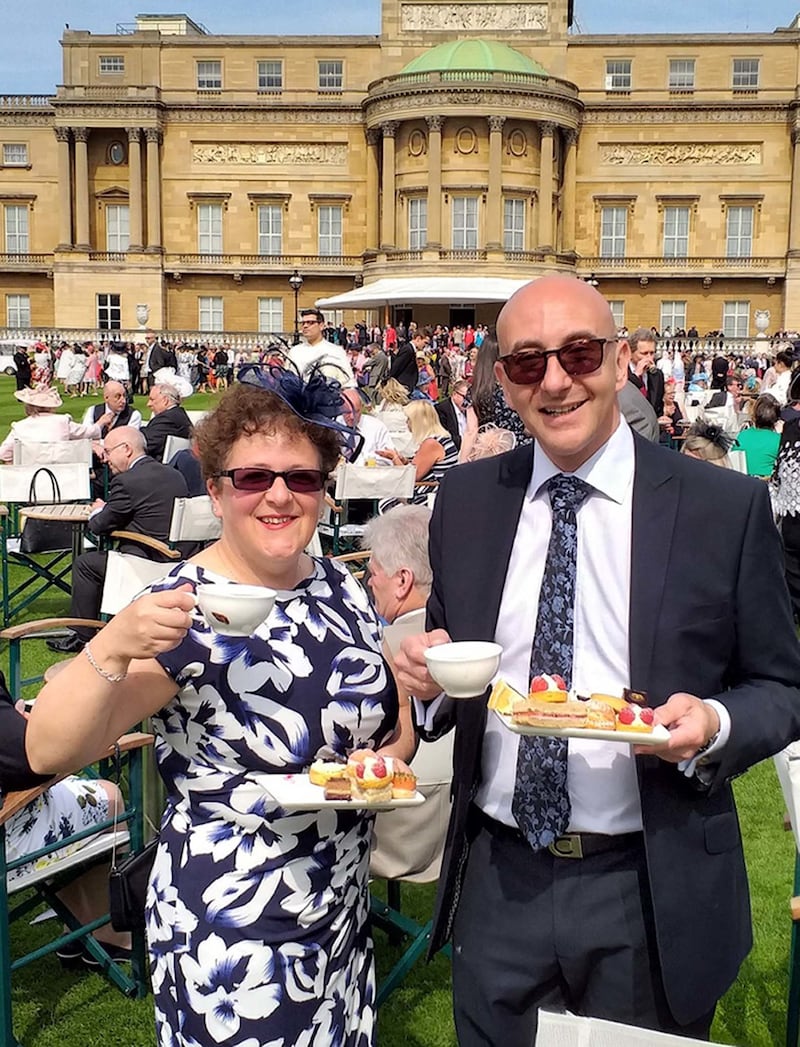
x=88, y=575
x=790, y=532
x=533, y=930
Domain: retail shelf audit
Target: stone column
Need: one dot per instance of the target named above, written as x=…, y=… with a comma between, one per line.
x=545, y=244
x=568, y=205
x=81, y=136
x=433, y=235
x=373, y=191
x=135, y=187
x=794, y=212
x=153, y=137
x=64, y=189
x=494, y=200
x=387, y=188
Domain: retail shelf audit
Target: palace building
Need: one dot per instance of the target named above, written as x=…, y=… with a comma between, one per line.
x=178, y=179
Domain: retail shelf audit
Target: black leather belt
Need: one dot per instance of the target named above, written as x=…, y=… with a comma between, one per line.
x=570, y=845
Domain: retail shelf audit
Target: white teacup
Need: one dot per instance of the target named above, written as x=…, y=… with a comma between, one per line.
x=235, y=610
x=465, y=669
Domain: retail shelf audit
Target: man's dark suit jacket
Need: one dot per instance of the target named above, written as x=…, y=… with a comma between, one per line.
x=710, y=615
x=140, y=500
x=15, y=771
x=655, y=388
x=404, y=366
x=172, y=422
x=446, y=410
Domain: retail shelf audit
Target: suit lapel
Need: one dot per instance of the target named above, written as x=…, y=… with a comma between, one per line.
x=656, y=492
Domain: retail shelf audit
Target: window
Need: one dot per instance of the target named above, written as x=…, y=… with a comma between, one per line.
x=18, y=310
x=735, y=319
x=739, y=232
x=270, y=229
x=618, y=312
x=210, y=313
x=513, y=224
x=681, y=74
x=270, y=315
x=270, y=76
x=417, y=222
x=673, y=316
x=330, y=75
x=676, y=232
x=109, y=313
x=15, y=154
x=618, y=74
x=465, y=223
x=613, y=231
x=745, y=74
x=117, y=227
x=330, y=229
x=112, y=63
x=16, y=229
x=209, y=228
x=209, y=76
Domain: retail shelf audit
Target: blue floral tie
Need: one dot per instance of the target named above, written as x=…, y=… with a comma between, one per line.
x=541, y=799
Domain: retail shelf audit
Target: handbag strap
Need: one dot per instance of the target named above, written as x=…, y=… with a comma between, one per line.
x=53, y=481
x=117, y=759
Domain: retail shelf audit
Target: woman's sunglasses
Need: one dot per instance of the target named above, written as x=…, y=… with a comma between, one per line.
x=301, y=481
x=577, y=358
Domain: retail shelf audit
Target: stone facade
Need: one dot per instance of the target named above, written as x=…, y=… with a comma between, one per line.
x=195, y=173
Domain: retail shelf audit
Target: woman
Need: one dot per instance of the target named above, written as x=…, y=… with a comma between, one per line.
x=77, y=372
x=66, y=360
x=92, y=374
x=41, y=425
x=435, y=453
x=257, y=916
x=391, y=411
x=784, y=492
x=760, y=443
x=427, y=378
x=709, y=443
x=488, y=406
x=671, y=416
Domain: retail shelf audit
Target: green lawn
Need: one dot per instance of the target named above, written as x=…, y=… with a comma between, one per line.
x=57, y=1009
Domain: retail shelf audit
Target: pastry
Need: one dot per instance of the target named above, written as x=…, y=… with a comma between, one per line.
x=338, y=788
x=547, y=688
x=614, y=701
x=322, y=770
x=503, y=697
x=633, y=718
x=634, y=697
x=600, y=715
x=371, y=779
x=404, y=785
x=535, y=713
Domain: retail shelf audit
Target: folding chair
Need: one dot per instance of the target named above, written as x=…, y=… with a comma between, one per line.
x=49, y=876
x=738, y=461
x=360, y=482
x=64, y=452
x=52, y=567
x=572, y=1030
x=196, y=416
x=787, y=765
x=174, y=444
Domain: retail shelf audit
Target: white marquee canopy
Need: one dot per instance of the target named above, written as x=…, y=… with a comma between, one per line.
x=437, y=290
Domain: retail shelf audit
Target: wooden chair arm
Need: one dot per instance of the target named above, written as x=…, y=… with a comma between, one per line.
x=794, y=908
x=361, y=554
x=43, y=625
x=146, y=540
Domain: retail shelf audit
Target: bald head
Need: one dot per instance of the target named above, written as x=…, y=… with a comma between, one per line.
x=351, y=406
x=115, y=396
x=547, y=296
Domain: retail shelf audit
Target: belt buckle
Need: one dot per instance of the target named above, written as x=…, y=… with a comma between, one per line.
x=567, y=846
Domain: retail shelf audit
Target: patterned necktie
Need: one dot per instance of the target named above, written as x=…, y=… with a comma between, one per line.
x=541, y=800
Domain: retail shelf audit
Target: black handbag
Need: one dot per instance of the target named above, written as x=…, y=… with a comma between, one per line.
x=45, y=536
x=127, y=888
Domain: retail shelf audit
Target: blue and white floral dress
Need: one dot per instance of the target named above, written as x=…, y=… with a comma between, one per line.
x=257, y=917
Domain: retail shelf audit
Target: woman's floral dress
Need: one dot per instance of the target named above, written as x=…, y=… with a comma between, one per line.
x=256, y=916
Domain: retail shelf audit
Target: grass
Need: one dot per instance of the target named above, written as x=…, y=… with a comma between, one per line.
x=54, y=1008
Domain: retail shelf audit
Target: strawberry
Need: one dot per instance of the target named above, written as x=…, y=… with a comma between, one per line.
x=379, y=768
x=559, y=682
x=626, y=715
x=359, y=770
x=646, y=716
x=538, y=683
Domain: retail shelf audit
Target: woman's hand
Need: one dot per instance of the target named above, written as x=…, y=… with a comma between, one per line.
x=154, y=623
x=392, y=455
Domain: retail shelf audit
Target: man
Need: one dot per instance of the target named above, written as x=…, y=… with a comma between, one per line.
x=404, y=362
x=642, y=370
x=160, y=355
x=719, y=370
x=624, y=895
x=140, y=499
x=317, y=350
x=168, y=419
x=376, y=435
x=115, y=403
x=23, y=364
x=377, y=368
x=453, y=412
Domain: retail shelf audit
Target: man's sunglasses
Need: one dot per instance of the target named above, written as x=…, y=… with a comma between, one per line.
x=301, y=481
x=577, y=358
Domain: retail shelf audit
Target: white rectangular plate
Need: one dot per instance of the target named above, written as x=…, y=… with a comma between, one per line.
x=657, y=736
x=294, y=792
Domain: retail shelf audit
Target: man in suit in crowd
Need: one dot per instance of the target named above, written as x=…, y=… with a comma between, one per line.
x=404, y=361
x=614, y=875
x=168, y=419
x=115, y=403
x=453, y=412
x=642, y=371
x=637, y=412
x=140, y=499
x=377, y=370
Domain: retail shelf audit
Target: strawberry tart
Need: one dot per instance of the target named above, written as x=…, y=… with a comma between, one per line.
x=635, y=718
x=548, y=688
x=371, y=779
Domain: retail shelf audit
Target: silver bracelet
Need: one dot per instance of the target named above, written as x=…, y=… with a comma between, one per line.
x=111, y=677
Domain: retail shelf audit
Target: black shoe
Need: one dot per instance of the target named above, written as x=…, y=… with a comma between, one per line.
x=117, y=953
x=71, y=956
x=70, y=644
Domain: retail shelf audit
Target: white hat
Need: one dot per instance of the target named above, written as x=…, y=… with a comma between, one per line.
x=44, y=396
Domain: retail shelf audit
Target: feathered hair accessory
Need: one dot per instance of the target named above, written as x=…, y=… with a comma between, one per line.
x=715, y=434
x=315, y=399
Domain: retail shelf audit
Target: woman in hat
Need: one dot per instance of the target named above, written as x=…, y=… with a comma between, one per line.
x=41, y=425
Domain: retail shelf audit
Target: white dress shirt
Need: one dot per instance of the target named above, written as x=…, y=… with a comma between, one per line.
x=376, y=438
x=334, y=360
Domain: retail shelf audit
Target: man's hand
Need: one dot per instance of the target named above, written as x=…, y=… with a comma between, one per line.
x=641, y=366
x=692, y=723
x=411, y=667
x=98, y=503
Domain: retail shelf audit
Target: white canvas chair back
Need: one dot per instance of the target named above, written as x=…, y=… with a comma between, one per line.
x=738, y=461
x=361, y=481
x=193, y=520
x=59, y=452
x=787, y=765
x=196, y=416
x=173, y=445
x=570, y=1030
x=126, y=576
x=72, y=478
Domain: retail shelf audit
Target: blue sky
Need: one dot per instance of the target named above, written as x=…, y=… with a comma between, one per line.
x=30, y=55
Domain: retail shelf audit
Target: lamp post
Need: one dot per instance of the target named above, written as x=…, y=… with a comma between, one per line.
x=592, y=280
x=296, y=282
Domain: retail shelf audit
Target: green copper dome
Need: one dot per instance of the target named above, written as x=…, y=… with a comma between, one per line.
x=485, y=55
